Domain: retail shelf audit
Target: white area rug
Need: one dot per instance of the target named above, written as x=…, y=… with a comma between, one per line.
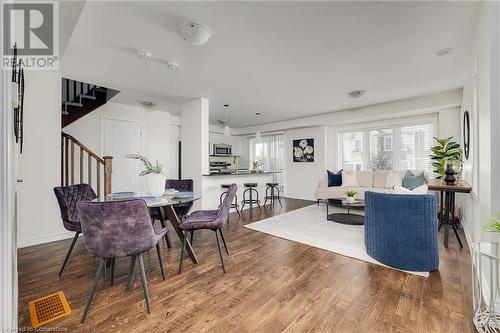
x=309, y=226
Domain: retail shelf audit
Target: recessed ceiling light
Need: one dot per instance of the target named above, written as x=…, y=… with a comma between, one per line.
x=356, y=93
x=444, y=52
x=172, y=65
x=194, y=33
x=147, y=103
x=144, y=55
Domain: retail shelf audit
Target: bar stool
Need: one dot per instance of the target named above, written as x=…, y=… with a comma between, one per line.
x=250, y=188
x=235, y=203
x=273, y=188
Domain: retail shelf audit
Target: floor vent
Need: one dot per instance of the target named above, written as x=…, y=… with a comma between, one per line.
x=48, y=308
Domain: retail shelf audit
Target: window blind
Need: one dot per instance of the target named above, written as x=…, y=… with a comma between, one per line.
x=391, y=147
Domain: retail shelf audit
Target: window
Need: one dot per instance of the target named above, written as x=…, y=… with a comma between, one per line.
x=388, y=143
x=270, y=151
x=398, y=146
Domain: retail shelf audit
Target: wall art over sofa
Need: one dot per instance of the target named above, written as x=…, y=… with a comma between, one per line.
x=303, y=150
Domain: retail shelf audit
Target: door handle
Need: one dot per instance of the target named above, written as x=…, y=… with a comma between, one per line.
x=19, y=180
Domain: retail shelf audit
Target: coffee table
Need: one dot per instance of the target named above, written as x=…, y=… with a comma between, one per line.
x=345, y=218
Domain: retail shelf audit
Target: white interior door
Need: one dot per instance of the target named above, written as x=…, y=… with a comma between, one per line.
x=120, y=139
x=173, y=161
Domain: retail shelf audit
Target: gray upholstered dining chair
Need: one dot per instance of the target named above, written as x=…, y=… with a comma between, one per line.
x=211, y=220
x=119, y=229
x=183, y=185
x=67, y=198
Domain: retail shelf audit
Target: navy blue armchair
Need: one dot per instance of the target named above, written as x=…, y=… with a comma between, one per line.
x=401, y=230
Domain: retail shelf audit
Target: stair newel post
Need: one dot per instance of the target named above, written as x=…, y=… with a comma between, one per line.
x=108, y=170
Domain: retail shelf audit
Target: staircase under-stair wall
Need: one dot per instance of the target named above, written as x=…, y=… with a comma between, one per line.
x=79, y=164
x=80, y=98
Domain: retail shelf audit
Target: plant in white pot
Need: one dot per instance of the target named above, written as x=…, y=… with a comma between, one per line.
x=155, y=180
x=350, y=196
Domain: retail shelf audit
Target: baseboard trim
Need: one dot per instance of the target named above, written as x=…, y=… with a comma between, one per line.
x=467, y=236
x=44, y=239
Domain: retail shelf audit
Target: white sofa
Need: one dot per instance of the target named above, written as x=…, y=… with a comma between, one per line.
x=373, y=181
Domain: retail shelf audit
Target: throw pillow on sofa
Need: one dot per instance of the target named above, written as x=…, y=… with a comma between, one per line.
x=411, y=181
x=334, y=178
x=393, y=178
x=423, y=189
x=349, y=179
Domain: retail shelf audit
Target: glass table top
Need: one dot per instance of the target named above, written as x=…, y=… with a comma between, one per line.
x=154, y=201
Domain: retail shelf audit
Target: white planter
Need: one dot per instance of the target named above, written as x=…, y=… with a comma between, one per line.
x=155, y=184
x=350, y=199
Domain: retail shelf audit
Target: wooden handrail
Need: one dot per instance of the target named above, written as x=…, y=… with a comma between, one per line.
x=83, y=147
x=68, y=164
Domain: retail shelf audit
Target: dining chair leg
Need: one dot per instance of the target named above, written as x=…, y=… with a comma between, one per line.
x=184, y=239
x=144, y=283
x=223, y=240
x=192, y=237
x=73, y=242
x=112, y=270
x=162, y=222
x=131, y=274
x=102, y=263
x=220, y=252
x=160, y=260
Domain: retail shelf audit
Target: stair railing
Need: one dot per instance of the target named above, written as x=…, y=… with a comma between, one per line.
x=87, y=167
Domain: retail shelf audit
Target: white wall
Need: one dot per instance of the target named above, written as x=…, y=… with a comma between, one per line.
x=301, y=179
x=476, y=99
x=155, y=126
x=39, y=166
x=195, y=141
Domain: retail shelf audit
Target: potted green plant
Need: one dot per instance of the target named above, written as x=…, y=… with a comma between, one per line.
x=155, y=180
x=350, y=196
x=446, y=151
x=256, y=165
x=493, y=224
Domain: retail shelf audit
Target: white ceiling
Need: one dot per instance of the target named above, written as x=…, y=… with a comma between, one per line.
x=283, y=59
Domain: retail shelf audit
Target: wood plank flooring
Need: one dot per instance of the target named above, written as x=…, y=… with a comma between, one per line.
x=271, y=285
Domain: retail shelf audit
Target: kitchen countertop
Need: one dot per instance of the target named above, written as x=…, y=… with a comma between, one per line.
x=242, y=173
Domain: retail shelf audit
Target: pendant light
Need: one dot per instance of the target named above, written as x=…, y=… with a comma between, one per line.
x=227, y=130
x=258, y=136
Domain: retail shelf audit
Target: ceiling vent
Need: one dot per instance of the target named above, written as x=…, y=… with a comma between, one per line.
x=194, y=33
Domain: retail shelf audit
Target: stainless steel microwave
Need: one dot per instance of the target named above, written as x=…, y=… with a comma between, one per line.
x=222, y=150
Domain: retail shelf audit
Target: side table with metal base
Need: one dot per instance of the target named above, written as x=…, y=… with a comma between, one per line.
x=447, y=214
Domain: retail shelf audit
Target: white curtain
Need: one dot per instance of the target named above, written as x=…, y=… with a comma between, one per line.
x=270, y=151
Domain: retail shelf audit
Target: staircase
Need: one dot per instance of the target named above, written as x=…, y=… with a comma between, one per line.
x=80, y=165
x=80, y=98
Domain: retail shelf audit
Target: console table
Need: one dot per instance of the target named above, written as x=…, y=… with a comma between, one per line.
x=448, y=219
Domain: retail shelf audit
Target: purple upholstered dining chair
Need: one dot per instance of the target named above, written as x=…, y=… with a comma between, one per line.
x=67, y=198
x=119, y=229
x=211, y=220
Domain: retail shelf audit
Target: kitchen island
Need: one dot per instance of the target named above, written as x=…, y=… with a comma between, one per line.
x=212, y=183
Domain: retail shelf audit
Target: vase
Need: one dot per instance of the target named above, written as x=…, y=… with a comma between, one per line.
x=155, y=184
x=449, y=177
x=350, y=199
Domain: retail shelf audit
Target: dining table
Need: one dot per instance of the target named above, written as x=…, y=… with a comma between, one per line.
x=167, y=202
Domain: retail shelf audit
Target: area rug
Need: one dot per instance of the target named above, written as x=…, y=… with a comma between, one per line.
x=309, y=226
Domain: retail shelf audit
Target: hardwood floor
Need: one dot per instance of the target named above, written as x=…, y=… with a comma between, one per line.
x=271, y=285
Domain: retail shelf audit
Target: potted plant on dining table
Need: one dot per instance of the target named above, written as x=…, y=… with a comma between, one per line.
x=155, y=180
